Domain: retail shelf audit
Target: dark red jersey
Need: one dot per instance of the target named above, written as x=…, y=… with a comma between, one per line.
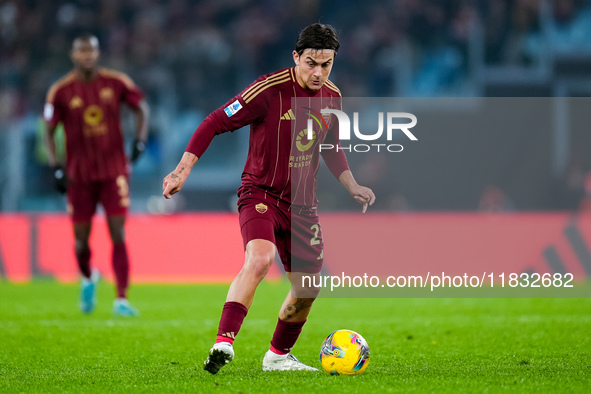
x=281, y=160
x=90, y=113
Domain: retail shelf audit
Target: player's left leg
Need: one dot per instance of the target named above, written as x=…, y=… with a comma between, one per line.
x=292, y=317
x=120, y=263
x=120, y=258
x=301, y=250
x=114, y=197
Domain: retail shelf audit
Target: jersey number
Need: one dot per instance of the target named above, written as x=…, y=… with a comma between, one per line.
x=123, y=190
x=315, y=240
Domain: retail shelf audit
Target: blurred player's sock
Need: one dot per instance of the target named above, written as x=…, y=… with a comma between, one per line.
x=285, y=336
x=83, y=259
x=88, y=292
x=220, y=354
x=121, y=268
x=233, y=315
x=284, y=362
x=122, y=307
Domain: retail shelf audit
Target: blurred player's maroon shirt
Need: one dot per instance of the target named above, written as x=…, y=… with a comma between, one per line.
x=281, y=161
x=90, y=113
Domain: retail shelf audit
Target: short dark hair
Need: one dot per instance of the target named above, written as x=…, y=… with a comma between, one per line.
x=317, y=36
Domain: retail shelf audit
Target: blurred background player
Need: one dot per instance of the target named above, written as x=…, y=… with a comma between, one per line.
x=87, y=101
x=277, y=198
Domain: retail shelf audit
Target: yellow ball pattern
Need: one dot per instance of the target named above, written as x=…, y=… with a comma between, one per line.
x=344, y=352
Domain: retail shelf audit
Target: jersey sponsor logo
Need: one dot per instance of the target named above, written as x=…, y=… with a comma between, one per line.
x=233, y=108
x=76, y=102
x=93, y=115
x=288, y=115
x=48, y=111
x=261, y=208
x=301, y=139
x=106, y=94
x=300, y=161
x=307, y=138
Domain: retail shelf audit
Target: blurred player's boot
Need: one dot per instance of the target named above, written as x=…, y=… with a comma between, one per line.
x=284, y=362
x=220, y=354
x=122, y=307
x=88, y=292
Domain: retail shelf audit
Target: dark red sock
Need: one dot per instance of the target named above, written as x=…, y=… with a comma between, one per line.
x=121, y=268
x=285, y=336
x=83, y=259
x=233, y=315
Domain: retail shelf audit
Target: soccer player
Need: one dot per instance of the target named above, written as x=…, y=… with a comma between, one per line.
x=87, y=101
x=277, y=198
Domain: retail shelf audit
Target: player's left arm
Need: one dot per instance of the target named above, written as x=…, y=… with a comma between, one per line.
x=142, y=113
x=363, y=195
x=336, y=161
x=134, y=97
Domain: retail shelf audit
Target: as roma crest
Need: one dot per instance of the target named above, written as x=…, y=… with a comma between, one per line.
x=261, y=208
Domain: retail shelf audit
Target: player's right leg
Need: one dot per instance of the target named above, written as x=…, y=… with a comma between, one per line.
x=259, y=256
x=90, y=277
x=82, y=249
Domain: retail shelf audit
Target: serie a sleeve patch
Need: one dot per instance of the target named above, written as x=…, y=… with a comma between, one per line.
x=233, y=108
x=48, y=111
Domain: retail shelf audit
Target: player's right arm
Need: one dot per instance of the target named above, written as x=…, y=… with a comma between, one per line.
x=51, y=115
x=235, y=114
x=50, y=144
x=173, y=182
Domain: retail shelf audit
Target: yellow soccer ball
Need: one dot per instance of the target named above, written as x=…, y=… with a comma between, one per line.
x=344, y=352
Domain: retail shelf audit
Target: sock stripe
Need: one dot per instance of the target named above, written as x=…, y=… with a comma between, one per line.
x=233, y=315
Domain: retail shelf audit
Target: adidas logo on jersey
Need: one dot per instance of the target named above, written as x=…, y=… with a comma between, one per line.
x=288, y=115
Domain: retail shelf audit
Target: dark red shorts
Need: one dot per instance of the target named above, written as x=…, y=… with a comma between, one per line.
x=83, y=198
x=297, y=236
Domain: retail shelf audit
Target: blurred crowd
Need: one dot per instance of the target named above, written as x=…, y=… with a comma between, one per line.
x=196, y=54
x=190, y=56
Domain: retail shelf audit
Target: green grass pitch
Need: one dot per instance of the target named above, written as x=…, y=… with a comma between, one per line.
x=417, y=345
